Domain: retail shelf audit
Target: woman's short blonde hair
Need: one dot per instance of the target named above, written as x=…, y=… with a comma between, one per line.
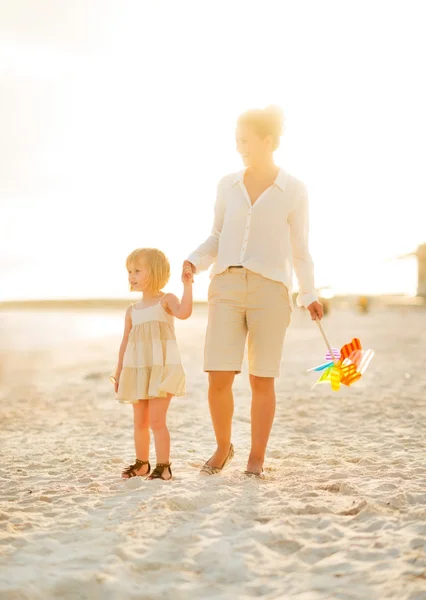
x=157, y=264
x=265, y=121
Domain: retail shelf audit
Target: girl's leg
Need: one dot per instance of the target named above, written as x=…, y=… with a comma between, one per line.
x=141, y=434
x=158, y=411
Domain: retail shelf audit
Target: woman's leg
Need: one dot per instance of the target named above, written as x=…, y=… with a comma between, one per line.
x=268, y=316
x=221, y=403
x=158, y=412
x=223, y=353
x=262, y=417
x=141, y=434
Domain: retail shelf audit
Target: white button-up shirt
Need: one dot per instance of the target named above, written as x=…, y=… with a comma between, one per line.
x=269, y=237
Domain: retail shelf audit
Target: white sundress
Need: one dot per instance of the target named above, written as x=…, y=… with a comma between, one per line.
x=152, y=366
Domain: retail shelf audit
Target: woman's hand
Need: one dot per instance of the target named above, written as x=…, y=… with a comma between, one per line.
x=316, y=311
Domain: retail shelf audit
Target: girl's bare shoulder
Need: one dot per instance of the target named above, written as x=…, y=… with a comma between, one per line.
x=168, y=301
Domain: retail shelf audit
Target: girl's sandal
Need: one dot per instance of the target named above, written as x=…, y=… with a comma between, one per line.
x=159, y=471
x=130, y=471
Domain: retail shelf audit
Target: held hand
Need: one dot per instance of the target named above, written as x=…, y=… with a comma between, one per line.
x=187, y=276
x=316, y=311
x=187, y=267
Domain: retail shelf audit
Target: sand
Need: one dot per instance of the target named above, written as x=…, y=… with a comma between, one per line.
x=341, y=514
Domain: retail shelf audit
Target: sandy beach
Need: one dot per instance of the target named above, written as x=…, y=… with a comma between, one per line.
x=341, y=514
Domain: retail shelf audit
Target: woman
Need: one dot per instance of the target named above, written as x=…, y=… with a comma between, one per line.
x=259, y=234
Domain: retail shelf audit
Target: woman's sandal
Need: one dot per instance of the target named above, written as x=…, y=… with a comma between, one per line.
x=159, y=470
x=206, y=469
x=130, y=471
x=255, y=474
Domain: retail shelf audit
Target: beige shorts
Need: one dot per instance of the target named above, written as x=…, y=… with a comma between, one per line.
x=242, y=302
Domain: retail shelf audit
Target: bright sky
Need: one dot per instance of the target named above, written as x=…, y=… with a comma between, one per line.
x=117, y=120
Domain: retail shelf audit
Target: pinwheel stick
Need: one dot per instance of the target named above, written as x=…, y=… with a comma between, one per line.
x=327, y=343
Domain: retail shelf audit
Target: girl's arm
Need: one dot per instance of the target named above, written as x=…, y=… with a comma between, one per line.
x=180, y=309
x=123, y=345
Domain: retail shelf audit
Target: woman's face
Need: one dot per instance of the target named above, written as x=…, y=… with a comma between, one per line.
x=254, y=150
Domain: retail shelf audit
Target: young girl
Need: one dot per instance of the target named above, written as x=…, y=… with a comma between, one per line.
x=149, y=370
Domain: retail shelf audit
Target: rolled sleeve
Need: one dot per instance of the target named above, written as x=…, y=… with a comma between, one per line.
x=204, y=256
x=299, y=239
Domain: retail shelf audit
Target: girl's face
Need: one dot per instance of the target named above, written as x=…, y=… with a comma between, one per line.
x=254, y=150
x=138, y=276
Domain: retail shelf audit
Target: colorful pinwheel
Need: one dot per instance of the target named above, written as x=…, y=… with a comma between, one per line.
x=345, y=366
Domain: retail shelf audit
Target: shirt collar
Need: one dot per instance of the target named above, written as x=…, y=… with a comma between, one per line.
x=238, y=177
x=280, y=181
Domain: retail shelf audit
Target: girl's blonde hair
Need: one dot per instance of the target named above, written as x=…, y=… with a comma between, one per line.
x=157, y=264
